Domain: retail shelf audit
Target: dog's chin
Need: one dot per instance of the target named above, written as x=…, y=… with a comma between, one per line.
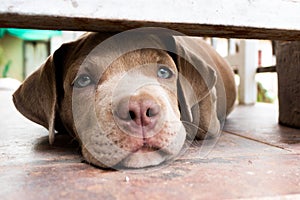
x=144, y=158
x=141, y=158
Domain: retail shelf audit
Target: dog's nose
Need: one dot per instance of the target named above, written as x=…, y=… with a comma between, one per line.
x=142, y=111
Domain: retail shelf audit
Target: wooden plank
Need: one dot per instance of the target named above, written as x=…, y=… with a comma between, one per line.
x=259, y=19
x=260, y=70
x=259, y=122
x=266, y=69
x=238, y=167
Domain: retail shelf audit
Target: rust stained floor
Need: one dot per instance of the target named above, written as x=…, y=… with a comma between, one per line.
x=254, y=158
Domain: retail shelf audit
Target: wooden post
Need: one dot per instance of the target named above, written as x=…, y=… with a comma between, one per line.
x=246, y=60
x=288, y=69
x=247, y=71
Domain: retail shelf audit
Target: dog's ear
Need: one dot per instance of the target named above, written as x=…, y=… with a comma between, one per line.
x=36, y=98
x=196, y=77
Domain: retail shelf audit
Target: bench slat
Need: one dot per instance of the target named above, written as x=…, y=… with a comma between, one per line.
x=260, y=19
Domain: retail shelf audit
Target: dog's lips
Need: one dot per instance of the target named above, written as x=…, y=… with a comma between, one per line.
x=145, y=157
x=146, y=148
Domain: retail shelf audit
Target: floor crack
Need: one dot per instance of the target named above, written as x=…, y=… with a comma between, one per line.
x=257, y=140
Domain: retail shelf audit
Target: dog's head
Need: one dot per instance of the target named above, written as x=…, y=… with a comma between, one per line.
x=125, y=104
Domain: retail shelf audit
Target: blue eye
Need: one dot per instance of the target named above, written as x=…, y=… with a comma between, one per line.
x=164, y=72
x=83, y=81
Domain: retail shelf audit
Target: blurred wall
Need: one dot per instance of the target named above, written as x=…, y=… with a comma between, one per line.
x=12, y=51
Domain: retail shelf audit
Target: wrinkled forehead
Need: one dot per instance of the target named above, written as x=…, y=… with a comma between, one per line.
x=140, y=62
x=143, y=57
x=100, y=63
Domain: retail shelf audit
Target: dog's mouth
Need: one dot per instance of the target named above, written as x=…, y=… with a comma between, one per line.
x=145, y=156
x=146, y=148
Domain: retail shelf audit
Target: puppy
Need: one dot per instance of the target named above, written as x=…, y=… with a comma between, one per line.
x=131, y=100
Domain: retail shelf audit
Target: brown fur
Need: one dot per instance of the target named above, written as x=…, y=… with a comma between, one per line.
x=49, y=98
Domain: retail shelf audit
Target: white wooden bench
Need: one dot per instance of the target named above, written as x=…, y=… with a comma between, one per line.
x=259, y=19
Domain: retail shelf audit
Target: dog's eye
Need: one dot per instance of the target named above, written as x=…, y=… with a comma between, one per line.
x=82, y=81
x=164, y=72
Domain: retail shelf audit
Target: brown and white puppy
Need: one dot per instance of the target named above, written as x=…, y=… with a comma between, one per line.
x=130, y=101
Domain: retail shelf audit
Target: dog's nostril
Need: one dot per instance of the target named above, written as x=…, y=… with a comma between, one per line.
x=150, y=113
x=132, y=115
x=153, y=111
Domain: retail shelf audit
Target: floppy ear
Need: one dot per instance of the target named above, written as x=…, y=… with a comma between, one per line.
x=196, y=77
x=36, y=98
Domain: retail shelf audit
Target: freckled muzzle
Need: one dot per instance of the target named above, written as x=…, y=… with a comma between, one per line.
x=145, y=114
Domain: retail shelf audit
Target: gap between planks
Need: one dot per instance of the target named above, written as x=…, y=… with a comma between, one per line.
x=257, y=140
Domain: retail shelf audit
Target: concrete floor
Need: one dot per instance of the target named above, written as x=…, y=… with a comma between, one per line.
x=254, y=158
